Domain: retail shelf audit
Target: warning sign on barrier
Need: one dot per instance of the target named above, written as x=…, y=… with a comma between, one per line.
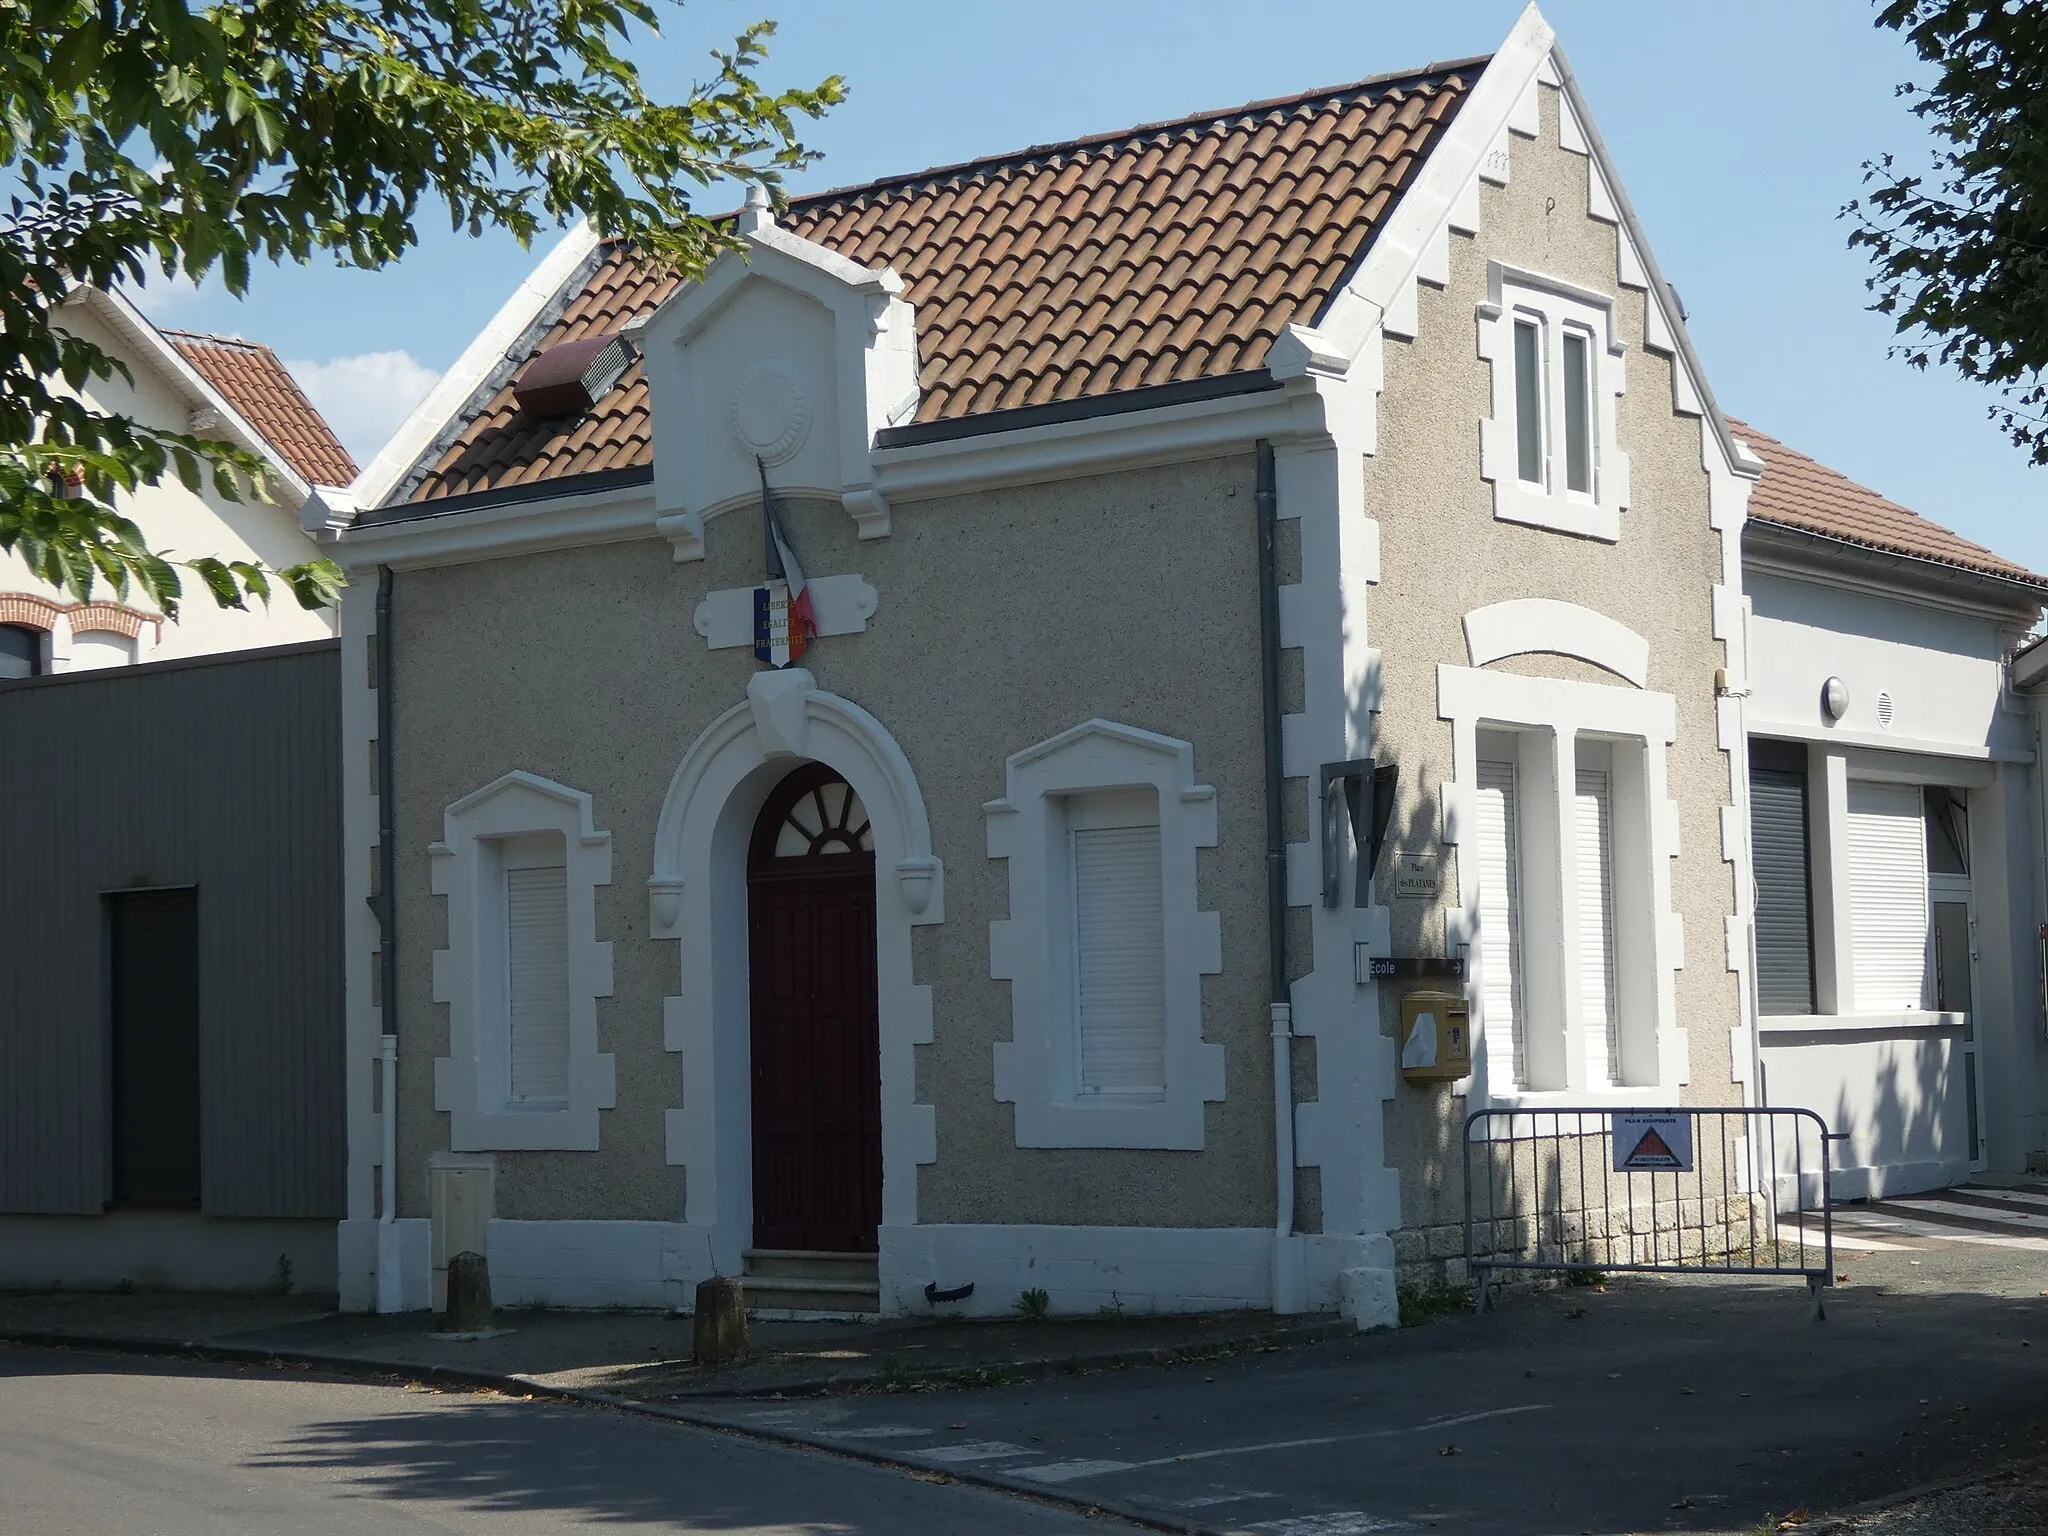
x=1652, y=1143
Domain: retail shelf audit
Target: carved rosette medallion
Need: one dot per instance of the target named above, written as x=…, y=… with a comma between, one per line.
x=769, y=413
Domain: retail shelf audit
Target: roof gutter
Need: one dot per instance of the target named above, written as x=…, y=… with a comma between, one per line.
x=1925, y=572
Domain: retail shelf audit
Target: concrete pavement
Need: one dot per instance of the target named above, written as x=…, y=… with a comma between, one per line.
x=99, y=1445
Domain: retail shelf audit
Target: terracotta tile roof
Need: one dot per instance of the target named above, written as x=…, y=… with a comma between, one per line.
x=270, y=400
x=1162, y=254
x=1798, y=492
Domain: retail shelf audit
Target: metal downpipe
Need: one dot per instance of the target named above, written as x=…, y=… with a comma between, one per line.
x=1287, y=1295
x=390, y=1287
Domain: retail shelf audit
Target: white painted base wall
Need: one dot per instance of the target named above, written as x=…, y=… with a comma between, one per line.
x=1894, y=1084
x=164, y=1250
x=656, y=1265
x=1081, y=1269
x=356, y=1249
x=642, y=1264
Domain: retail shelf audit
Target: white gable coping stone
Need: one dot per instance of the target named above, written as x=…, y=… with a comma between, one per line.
x=446, y=399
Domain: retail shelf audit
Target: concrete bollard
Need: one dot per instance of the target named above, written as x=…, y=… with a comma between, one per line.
x=469, y=1294
x=720, y=1333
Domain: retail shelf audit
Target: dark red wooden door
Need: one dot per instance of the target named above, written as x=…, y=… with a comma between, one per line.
x=815, y=1034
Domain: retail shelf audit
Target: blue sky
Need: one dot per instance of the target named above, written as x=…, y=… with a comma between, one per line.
x=1740, y=127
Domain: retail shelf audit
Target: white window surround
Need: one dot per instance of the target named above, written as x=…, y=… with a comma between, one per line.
x=1549, y=716
x=1556, y=306
x=1526, y=625
x=1036, y=1068
x=472, y=1083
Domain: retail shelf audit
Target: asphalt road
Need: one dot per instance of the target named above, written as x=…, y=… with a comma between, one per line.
x=116, y=1446
x=1699, y=1406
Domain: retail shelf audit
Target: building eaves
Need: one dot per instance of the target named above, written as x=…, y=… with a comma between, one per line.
x=1045, y=280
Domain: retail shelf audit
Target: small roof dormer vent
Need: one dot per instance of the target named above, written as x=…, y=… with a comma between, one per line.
x=570, y=377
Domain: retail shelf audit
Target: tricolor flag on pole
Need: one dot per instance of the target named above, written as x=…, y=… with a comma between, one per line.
x=783, y=622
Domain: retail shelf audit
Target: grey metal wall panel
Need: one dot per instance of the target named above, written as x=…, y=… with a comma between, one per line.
x=223, y=774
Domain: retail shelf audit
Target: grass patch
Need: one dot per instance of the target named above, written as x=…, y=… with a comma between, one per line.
x=1427, y=1303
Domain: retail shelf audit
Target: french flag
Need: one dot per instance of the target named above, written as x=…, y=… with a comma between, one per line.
x=788, y=648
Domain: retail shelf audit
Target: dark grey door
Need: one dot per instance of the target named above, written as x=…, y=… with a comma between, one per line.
x=153, y=942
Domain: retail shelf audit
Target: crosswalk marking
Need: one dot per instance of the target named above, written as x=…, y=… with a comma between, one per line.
x=1349, y=1522
x=876, y=1432
x=973, y=1450
x=1904, y=1227
x=1222, y=1496
x=1933, y=1206
x=1068, y=1471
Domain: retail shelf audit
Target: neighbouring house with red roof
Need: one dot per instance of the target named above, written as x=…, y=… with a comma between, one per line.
x=211, y=386
x=1058, y=723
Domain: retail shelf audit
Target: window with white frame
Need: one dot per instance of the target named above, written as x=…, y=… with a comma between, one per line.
x=94, y=649
x=519, y=862
x=1118, y=946
x=1496, y=848
x=1888, y=908
x=1781, y=867
x=536, y=887
x=1896, y=913
x=1562, y=888
x=1104, y=947
x=1551, y=447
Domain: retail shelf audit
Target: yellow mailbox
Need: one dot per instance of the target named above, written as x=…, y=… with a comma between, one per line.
x=1436, y=1037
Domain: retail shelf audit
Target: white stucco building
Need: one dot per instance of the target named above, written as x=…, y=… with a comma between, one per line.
x=210, y=386
x=1895, y=813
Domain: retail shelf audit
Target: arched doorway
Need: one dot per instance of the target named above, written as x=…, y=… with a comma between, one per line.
x=814, y=1031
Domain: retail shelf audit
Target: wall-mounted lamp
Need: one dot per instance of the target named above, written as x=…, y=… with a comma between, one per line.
x=1363, y=794
x=1834, y=698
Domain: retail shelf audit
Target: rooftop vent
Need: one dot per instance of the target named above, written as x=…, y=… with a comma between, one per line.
x=570, y=377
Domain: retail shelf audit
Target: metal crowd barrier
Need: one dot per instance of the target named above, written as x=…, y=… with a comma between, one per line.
x=1731, y=1191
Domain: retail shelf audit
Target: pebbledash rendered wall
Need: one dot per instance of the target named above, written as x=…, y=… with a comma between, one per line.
x=219, y=773
x=1003, y=619
x=1444, y=554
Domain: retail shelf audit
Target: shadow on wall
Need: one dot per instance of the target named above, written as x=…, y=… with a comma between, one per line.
x=1433, y=1119
x=1897, y=1107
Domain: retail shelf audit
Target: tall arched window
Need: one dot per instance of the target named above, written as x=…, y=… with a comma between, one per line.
x=21, y=652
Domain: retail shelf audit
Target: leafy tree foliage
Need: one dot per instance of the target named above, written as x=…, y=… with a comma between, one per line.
x=162, y=136
x=1962, y=255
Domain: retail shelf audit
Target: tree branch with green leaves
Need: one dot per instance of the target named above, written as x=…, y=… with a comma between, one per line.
x=152, y=136
x=1961, y=254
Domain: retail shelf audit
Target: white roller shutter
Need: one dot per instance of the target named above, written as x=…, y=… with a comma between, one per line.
x=537, y=944
x=1496, y=848
x=1120, y=959
x=1888, y=896
x=1593, y=818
